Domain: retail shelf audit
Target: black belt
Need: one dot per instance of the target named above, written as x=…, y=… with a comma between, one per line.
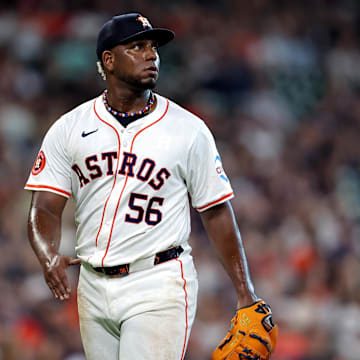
x=160, y=257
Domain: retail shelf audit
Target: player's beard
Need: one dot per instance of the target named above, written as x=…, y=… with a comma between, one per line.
x=145, y=85
x=140, y=83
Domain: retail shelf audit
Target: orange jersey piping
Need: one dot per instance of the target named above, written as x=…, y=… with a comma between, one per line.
x=214, y=202
x=126, y=178
x=186, y=310
x=48, y=187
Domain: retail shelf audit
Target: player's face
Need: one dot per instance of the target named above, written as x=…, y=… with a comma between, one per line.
x=136, y=63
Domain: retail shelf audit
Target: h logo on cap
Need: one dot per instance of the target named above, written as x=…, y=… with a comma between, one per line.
x=145, y=22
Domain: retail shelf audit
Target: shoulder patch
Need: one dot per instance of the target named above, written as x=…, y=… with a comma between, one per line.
x=39, y=163
x=219, y=169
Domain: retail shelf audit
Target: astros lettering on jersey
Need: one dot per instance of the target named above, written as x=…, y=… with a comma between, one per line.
x=130, y=185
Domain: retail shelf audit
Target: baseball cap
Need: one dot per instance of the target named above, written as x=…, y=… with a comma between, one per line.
x=124, y=28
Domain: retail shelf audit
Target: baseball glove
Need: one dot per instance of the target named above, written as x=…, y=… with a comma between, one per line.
x=252, y=335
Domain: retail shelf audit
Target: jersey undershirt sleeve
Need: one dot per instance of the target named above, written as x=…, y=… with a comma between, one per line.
x=52, y=167
x=206, y=180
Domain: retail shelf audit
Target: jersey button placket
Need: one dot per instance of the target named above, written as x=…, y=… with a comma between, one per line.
x=110, y=211
x=127, y=138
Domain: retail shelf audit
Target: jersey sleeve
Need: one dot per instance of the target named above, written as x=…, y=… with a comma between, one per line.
x=206, y=180
x=52, y=170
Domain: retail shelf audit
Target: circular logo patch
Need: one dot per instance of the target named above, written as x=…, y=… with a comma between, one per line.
x=39, y=163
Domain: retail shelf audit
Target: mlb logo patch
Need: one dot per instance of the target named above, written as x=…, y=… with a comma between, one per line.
x=219, y=169
x=39, y=163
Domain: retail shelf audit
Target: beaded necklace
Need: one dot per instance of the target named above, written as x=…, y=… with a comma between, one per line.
x=125, y=114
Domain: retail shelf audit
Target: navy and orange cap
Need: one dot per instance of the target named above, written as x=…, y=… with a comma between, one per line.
x=121, y=29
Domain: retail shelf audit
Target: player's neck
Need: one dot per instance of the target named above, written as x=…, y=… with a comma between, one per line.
x=127, y=100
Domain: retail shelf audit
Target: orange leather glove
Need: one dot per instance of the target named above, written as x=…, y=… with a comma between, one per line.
x=252, y=335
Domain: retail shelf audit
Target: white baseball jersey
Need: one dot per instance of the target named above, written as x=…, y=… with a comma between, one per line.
x=130, y=185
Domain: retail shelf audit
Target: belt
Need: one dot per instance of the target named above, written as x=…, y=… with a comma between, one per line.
x=124, y=269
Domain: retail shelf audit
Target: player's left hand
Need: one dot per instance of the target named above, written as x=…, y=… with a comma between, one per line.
x=55, y=275
x=252, y=335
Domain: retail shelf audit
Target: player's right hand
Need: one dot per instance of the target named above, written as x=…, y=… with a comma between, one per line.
x=55, y=275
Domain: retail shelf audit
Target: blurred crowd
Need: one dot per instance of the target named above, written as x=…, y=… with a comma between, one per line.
x=278, y=83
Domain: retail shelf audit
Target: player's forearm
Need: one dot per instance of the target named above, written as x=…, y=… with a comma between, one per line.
x=44, y=234
x=44, y=224
x=224, y=234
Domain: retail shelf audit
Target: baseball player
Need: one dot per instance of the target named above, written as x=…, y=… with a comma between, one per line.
x=129, y=158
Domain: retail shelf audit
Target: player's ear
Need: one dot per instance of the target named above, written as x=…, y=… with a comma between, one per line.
x=108, y=60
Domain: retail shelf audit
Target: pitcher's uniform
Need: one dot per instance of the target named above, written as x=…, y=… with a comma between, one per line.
x=130, y=188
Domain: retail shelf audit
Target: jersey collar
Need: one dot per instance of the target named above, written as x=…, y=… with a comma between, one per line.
x=138, y=124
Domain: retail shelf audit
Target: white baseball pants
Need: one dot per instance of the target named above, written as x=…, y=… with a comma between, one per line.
x=146, y=315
